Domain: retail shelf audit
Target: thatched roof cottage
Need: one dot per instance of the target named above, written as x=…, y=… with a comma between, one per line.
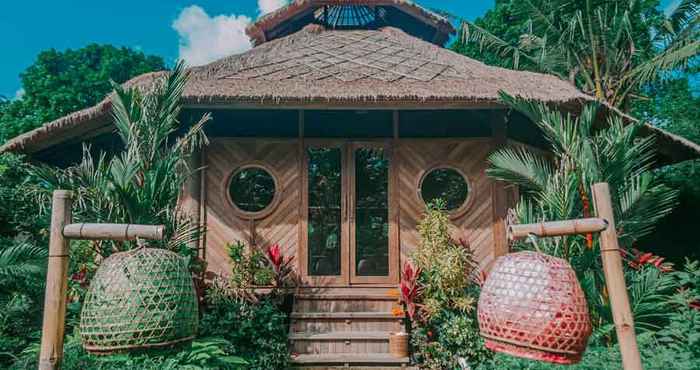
x=351, y=115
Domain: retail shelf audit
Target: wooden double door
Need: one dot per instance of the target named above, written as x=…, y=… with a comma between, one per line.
x=349, y=228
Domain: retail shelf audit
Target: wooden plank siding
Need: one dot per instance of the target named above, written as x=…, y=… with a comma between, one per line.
x=411, y=158
x=467, y=155
x=224, y=226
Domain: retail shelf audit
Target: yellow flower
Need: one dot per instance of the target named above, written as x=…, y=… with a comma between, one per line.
x=397, y=311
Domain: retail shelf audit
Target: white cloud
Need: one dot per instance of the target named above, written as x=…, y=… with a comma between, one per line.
x=19, y=94
x=204, y=39
x=268, y=6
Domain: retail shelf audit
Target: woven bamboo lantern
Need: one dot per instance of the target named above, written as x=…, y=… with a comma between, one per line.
x=532, y=306
x=142, y=298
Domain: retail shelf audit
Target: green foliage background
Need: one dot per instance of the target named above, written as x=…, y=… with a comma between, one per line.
x=62, y=82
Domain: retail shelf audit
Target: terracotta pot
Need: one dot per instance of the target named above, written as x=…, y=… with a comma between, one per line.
x=398, y=344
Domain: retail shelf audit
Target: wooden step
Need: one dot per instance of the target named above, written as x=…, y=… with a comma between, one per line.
x=348, y=335
x=351, y=297
x=341, y=326
x=313, y=303
x=344, y=315
x=350, y=359
x=340, y=343
x=345, y=325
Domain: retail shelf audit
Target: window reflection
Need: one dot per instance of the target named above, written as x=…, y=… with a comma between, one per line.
x=371, y=212
x=325, y=191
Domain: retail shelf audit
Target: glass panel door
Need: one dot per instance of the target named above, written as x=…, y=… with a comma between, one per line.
x=350, y=226
x=325, y=211
x=370, y=242
x=371, y=217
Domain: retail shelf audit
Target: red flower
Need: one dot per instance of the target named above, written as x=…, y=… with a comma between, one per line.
x=275, y=255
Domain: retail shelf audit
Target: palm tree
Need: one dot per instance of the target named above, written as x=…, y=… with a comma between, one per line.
x=595, y=43
x=141, y=183
x=557, y=186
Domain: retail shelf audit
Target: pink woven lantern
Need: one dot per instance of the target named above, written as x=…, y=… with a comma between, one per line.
x=532, y=306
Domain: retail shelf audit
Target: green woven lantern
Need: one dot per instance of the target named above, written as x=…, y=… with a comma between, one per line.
x=142, y=298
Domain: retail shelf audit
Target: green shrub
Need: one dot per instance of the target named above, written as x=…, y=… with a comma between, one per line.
x=257, y=331
x=449, y=336
x=202, y=353
x=445, y=328
x=249, y=267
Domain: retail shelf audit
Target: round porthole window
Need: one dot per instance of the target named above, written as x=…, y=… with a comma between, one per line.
x=447, y=184
x=252, y=189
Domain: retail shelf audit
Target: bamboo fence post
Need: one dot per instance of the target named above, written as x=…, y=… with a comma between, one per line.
x=56, y=284
x=615, y=280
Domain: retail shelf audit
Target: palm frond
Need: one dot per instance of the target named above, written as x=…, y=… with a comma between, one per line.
x=671, y=59
x=520, y=167
x=642, y=204
x=472, y=33
x=20, y=260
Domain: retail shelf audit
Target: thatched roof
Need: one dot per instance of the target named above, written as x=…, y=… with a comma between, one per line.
x=364, y=68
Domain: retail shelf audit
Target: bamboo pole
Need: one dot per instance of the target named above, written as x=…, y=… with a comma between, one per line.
x=56, y=284
x=113, y=232
x=558, y=228
x=615, y=280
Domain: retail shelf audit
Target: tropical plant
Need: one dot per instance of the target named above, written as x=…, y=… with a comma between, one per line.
x=284, y=276
x=202, y=353
x=446, y=265
x=409, y=291
x=439, y=293
x=609, y=49
x=141, y=183
x=257, y=331
x=557, y=187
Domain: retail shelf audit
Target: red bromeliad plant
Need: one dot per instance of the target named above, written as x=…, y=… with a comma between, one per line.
x=282, y=268
x=410, y=290
x=637, y=259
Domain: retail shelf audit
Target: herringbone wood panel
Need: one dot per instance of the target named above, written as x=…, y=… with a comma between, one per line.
x=467, y=155
x=412, y=158
x=224, y=226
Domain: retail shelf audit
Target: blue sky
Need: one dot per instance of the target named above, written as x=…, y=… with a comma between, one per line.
x=196, y=30
x=28, y=27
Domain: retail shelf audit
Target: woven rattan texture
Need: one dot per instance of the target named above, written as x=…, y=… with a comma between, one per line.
x=532, y=306
x=139, y=299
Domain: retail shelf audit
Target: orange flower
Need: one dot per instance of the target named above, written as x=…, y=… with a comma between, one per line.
x=397, y=311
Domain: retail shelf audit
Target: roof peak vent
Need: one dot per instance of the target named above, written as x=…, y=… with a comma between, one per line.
x=352, y=15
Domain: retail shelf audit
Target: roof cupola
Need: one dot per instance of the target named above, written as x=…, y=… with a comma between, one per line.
x=352, y=15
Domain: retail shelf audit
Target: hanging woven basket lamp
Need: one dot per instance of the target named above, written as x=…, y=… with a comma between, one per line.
x=142, y=298
x=532, y=306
